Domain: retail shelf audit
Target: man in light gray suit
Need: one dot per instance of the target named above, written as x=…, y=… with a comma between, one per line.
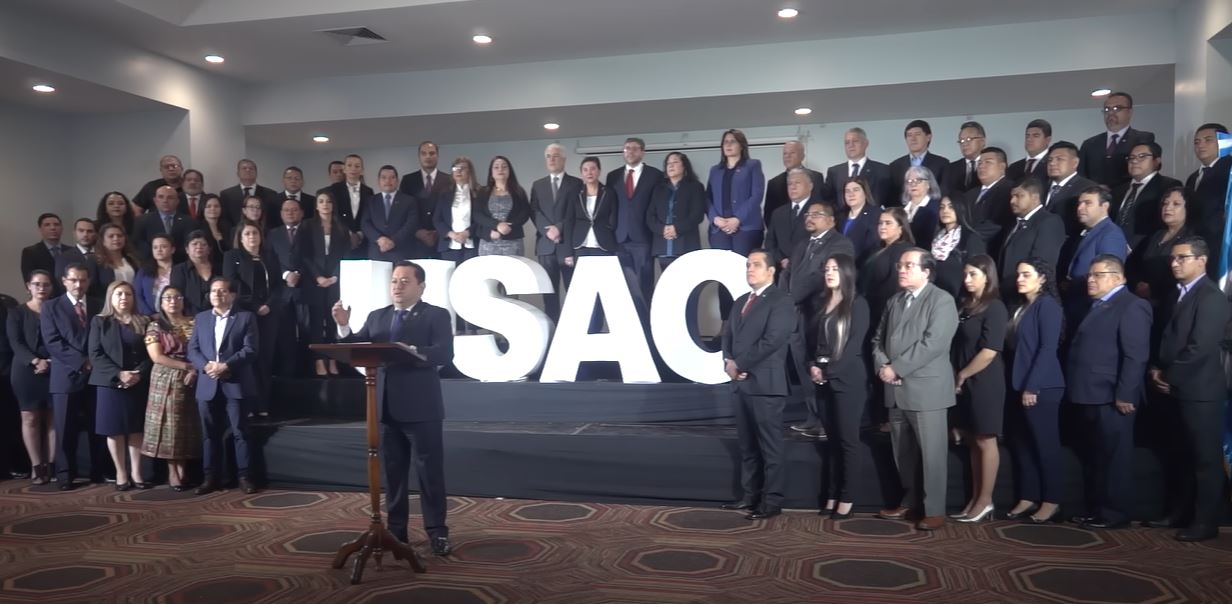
x=912, y=353
x=547, y=211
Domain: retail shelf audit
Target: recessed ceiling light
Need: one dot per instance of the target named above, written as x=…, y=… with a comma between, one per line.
x=803, y=111
x=44, y=88
x=1101, y=92
x=788, y=13
x=214, y=59
x=482, y=39
x=320, y=139
x=551, y=126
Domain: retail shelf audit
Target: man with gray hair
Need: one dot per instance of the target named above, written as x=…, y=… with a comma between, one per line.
x=171, y=170
x=776, y=189
x=877, y=174
x=548, y=198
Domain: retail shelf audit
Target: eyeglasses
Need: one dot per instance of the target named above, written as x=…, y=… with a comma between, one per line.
x=1180, y=258
x=1139, y=157
x=916, y=181
x=963, y=141
x=1116, y=109
x=818, y=215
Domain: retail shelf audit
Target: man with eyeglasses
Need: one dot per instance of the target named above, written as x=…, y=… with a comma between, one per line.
x=1103, y=155
x=1188, y=368
x=962, y=175
x=989, y=202
x=1136, y=202
x=918, y=135
x=171, y=170
x=1206, y=187
x=1107, y=360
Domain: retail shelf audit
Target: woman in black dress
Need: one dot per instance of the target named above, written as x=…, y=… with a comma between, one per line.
x=330, y=242
x=953, y=244
x=980, y=381
x=253, y=272
x=1149, y=266
x=30, y=377
x=214, y=223
x=122, y=375
x=842, y=376
x=677, y=207
x=878, y=282
x=192, y=277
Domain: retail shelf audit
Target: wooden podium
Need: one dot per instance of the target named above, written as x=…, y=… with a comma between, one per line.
x=374, y=541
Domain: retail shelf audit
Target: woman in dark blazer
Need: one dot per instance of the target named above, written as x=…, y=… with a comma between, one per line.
x=860, y=223
x=921, y=194
x=954, y=243
x=115, y=208
x=329, y=242
x=1038, y=384
x=30, y=377
x=590, y=220
x=111, y=261
x=841, y=374
x=121, y=374
x=455, y=214
x=500, y=211
x=192, y=277
x=734, y=191
x=213, y=221
x=255, y=276
x=677, y=207
x=1149, y=266
x=878, y=282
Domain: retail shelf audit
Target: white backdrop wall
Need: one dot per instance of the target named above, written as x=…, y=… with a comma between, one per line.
x=38, y=179
x=120, y=152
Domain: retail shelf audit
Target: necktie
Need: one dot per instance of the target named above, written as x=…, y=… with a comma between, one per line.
x=813, y=244
x=81, y=313
x=1112, y=143
x=399, y=318
x=1020, y=225
x=55, y=251
x=795, y=209
x=1051, y=191
x=192, y=206
x=970, y=173
x=247, y=192
x=1127, y=209
x=744, y=312
x=1198, y=180
x=855, y=170
x=629, y=184
x=389, y=204
x=907, y=300
x=167, y=224
x=1030, y=167
x=980, y=197
x=291, y=234
x=428, y=182
x=555, y=187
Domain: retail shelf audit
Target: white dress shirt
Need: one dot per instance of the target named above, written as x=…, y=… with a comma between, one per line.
x=356, y=200
x=220, y=328
x=460, y=216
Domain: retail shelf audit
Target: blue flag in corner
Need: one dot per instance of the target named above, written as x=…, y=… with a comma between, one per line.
x=1225, y=148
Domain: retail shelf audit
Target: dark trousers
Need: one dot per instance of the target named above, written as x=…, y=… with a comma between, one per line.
x=425, y=442
x=843, y=412
x=267, y=351
x=635, y=258
x=742, y=243
x=74, y=414
x=292, y=329
x=555, y=269
x=1035, y=444
x=321, y=328
x=1202, y=482
x=1107, y=456
x=800, y=360
x=216, y=416
x=759, y=430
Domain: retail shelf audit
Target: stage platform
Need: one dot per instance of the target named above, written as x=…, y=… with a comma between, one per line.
x=600, y=442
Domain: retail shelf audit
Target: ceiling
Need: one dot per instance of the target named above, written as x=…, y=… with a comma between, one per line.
x=277, y=40
x=72, y=95
x=1040, y=92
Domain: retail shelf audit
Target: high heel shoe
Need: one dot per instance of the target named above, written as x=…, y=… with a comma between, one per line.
x=40, y=474
x=985, y=513
x=1021, y=515
x=1055, y=516
x=958, y=516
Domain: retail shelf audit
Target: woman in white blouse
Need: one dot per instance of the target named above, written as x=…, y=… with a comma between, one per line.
x=454, y=215
x=112, y=261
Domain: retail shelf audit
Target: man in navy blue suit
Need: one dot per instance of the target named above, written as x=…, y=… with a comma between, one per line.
x=223, y=348
x=633, y=185
x=409, y=394
x=65, y=323
x=1107, y=364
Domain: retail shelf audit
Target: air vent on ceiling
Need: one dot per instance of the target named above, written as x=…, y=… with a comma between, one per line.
x=354, y=36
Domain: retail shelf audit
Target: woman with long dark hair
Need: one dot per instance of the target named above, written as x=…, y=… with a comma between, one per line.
x=30, y=377
x=214, y=223
x=121, y=374
x=154, y=274
x=455, y=216
x=953, y=244
x=980, y=379
x=500, y=211
x=677, y=207
x=841, y=374
x=253, y=271
x=172, y=423
x=111, y=261
x=1038, y=385
x=878, y=282
x=735, y=190
x=115, y=208
x=860, y=223
x=330, y=243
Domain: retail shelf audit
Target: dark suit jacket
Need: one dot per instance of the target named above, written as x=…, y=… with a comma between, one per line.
x=1205, y=205
x=748, y=187
x=805, y=279
x=290, y=256
x=546, y=211
x=25, y=340
x=578, y=223
x=629, y=214
x=1109, y=351
x=1036, y=365
x=238, y=350
x=251, y=288
x=955, y=182
x=1189, y=350
x=924, y=224
x=485, y=223
x=877, y=174
x=1065, y=202
x=1017, y=171
x=107, y=354
x=36, y=257
x=342, y=204
x=991, y=215
x=862, y=231
x=411, y=392
x=848, y=371
x=322, y=260
x=777, y=197
x=950, y=271
x=144, y=198
x=196, y=292
x=898, y=176
x=783, y=231
x=307, y=202
x=151, y=223
x=233, y=204
x=1096, y=164
x=443, y=216
x=1143, y=219
x=690, y=210
x=399, y=225
x=66, y=340
x=425, y=204
x=758, y=341
x=1041, y=237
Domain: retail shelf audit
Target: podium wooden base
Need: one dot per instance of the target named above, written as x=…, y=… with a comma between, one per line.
x=372, y=544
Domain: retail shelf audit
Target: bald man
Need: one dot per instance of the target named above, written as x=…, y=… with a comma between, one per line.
x=776, y=189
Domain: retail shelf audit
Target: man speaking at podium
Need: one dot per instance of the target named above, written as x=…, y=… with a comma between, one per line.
x=409, y=395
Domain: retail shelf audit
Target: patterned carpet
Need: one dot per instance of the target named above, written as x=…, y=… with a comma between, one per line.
x=97, y=545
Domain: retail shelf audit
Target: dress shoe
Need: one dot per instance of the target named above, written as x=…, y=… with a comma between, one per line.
x=123, y=486
x=207, y=487
x=1083, y=519
x=66, y=484
x=1054, y=517
x=247, y=485
x=817, y=434
x=984, y=514
x=739, y=505
x=144, y=486
x=930, y=523
x=837, y=516
x=1197, y=532
x=179, y=488
x=1101, y=524
x=763, y=513
x=899, y=513
x=805, y=427
x=1020, y=515
x=1167, y=522
x=441, y=547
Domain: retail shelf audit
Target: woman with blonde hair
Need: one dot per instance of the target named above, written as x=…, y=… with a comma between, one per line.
x=121, y=374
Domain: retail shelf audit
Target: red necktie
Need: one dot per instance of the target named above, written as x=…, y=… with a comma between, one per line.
x=747, y=305
x=629, y=184
x=192, y=206
x=81, y=313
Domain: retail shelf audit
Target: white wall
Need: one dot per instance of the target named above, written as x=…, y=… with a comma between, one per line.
x=37, y=179
x=120, y=152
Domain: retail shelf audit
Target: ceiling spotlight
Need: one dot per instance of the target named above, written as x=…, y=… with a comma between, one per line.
x=788, y=13
x=803, y=111
x=482, y=39
x=1101, y=92
x=215, y=59
x=551, y=126
x=320, y=139
x=44, y=88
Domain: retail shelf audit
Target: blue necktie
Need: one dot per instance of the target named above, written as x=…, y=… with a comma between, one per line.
x=399, y=317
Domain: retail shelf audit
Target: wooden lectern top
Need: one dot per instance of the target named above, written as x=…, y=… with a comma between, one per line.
x=369, y=354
